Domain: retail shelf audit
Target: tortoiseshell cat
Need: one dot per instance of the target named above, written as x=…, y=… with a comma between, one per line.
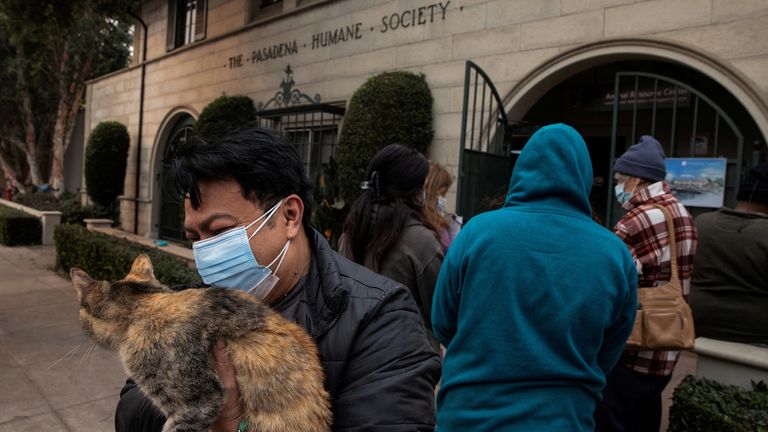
x=165, y=339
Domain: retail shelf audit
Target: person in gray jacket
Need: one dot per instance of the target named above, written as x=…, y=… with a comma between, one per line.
x=380, y=369
x=386, y=229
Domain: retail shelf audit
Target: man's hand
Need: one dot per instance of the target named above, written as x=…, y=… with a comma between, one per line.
x=232, y=411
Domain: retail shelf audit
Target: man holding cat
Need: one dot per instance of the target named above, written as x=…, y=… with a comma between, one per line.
x=247, y=211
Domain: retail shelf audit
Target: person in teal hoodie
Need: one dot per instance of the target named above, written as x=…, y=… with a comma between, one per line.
x=534, y=301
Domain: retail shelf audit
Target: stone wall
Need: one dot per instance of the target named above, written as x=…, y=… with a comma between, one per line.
x=507, y=38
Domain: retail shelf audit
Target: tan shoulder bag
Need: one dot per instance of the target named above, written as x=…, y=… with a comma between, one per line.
x=664, y=320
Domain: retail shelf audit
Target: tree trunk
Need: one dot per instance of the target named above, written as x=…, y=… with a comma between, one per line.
x=69, y=103
x=9, y=174
x=29, y=146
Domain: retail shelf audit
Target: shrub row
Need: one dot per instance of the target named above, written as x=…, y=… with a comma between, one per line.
x=701, y=404
x=19, y=228
x=72, y=212
x=107, y=258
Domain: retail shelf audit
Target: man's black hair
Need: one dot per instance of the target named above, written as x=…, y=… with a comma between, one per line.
x=262, y=161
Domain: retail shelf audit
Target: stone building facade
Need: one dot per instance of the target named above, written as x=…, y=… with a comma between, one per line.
x=548, y=60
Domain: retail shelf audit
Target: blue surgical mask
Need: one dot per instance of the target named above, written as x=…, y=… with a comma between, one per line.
x=621, y=195
x=227, y=261
x=441, y=202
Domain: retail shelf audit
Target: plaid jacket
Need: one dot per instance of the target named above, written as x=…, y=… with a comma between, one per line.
x=644, y=231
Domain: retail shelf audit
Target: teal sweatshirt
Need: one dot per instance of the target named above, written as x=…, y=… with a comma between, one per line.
x=534, y=301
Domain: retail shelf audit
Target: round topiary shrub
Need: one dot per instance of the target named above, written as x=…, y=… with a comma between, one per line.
x=224, y=114
x=392, y=107
x=105, y=160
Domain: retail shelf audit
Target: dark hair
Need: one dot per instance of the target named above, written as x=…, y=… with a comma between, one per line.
x=754, y=187
x=261, y=160
x=392, y=194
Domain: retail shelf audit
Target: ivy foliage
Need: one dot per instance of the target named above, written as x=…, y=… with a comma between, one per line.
x=701, y=404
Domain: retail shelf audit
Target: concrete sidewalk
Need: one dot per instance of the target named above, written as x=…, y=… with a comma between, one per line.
x=52, y=377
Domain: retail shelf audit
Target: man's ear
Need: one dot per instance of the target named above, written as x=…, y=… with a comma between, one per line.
x=293, y=210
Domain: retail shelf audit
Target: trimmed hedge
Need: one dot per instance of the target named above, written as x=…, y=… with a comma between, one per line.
x=390, y=108
x=107, y=258
x=72, y=212
x=105, y=160
x=19, y=228
x=224, y=114
x=44, y=201
x=701, y=404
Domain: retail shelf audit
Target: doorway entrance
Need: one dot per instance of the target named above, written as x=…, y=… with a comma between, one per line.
x=171, y=224
x=613, y=104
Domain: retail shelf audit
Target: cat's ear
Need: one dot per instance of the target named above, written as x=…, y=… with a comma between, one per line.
x=82, y=282
x=141, y=270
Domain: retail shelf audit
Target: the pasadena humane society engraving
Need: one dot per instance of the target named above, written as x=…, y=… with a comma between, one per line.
x=403, y=19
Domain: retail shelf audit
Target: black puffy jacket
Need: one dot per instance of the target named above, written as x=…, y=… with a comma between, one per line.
x=380, y=369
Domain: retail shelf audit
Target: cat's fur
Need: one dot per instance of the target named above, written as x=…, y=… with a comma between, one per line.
x=165, y=339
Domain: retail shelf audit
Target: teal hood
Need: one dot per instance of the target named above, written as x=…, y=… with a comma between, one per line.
x=553, y=172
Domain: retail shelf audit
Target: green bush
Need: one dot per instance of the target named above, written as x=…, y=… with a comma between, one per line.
x=72, y=212
x=701, y=404
x=19, y=228
x=105, y=160
x=107, y=258
x=392, y=107
x=44, y=201
x=224, y=114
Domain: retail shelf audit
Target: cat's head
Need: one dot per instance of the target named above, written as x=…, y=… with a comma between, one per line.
x=106, y=309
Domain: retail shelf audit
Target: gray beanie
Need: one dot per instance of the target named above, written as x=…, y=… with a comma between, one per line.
x=644, y=159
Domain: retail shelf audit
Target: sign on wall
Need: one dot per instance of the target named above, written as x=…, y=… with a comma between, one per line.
x=697, y=182
x=413, y=16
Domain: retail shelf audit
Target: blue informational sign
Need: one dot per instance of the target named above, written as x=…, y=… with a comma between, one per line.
x=697, y=182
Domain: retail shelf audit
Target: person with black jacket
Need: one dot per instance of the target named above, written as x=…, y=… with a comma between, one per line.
x=380, y=368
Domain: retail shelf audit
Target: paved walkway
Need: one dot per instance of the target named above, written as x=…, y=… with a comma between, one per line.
x=51, y=377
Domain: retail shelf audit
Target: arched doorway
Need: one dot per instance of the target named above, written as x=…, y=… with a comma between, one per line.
x=694, y=117
x=171, y=208
x=579, y=87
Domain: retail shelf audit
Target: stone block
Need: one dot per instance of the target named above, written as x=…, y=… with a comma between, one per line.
x=445, y=74
x=448, y=99
x=49, y=221
x=424, y=52
x=323, y=71
x=503, y=12
x=729, y=10
x=514, y=66
x=373, y=62
x=458, y=19
x=655, y=16
x=755, y=68
x=569, y=29
x=744, y=38
x=573, y=6
x=496, y=40
x=447, y=125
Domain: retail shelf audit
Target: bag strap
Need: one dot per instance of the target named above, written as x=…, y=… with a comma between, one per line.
x=672, y=248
